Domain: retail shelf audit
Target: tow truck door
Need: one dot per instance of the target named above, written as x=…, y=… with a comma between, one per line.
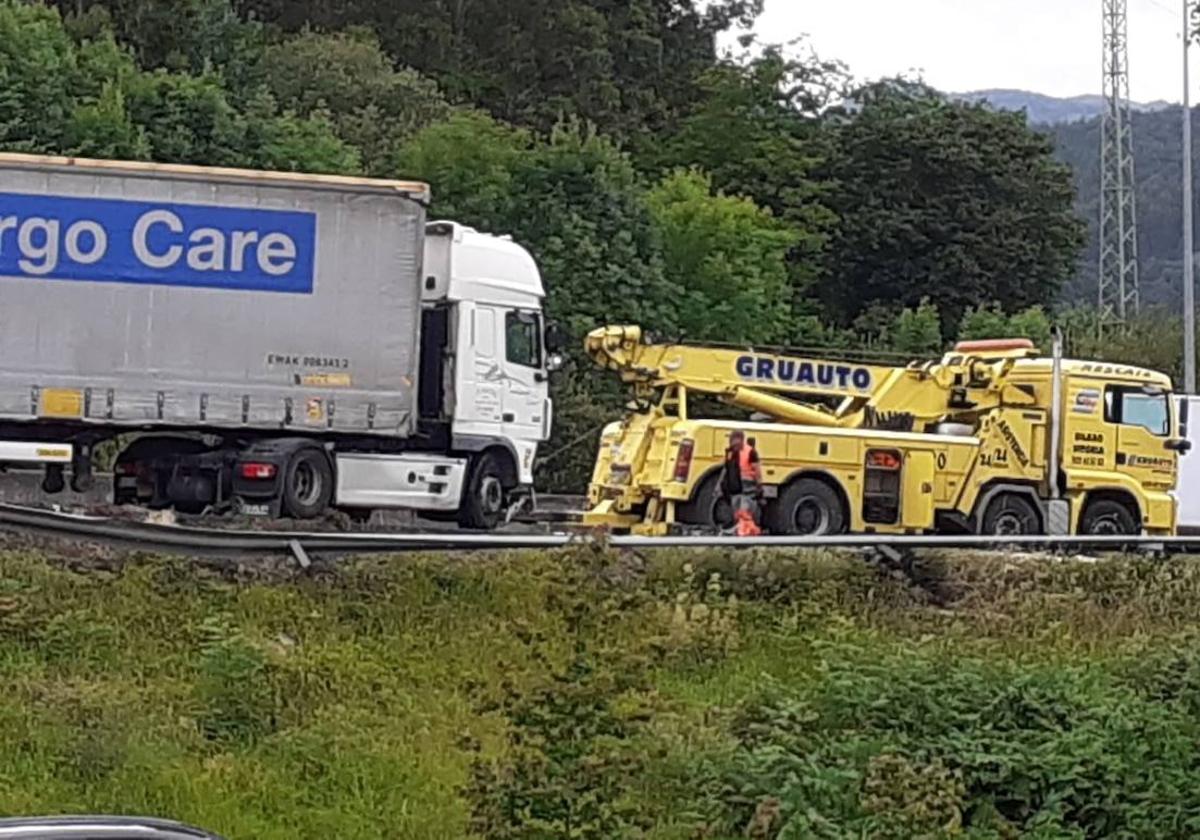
x=1142, y=417
x=916, y=495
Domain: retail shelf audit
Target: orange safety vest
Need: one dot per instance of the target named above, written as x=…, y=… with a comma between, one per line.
x=745, y=465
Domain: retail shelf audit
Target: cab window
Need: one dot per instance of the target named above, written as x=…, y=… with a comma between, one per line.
x=1132, y=406
x=521, y=339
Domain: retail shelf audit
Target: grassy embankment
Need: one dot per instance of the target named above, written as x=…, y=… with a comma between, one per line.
x=595, y=696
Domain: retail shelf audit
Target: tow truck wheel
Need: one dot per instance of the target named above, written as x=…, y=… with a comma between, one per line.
x=1011, y=515
x=1108, y=518
x=708, y=507
x=808, y=508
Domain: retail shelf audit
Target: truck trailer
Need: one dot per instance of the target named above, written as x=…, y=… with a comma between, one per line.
x=274, y=343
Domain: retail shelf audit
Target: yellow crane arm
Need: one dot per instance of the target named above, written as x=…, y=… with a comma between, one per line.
x=791, y=388
x=745, y=378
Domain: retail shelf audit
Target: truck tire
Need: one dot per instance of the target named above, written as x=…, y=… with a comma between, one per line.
x=1108, y=517
x=708, y=507
x=1011, y=515
x=482, y=506
x=808, y=508
x=307, y=484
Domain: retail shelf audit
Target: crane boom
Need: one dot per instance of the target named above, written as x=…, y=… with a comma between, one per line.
x=755, y=381
x=796, y=389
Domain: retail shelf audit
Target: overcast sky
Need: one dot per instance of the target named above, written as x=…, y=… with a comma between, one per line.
x=1048, y=46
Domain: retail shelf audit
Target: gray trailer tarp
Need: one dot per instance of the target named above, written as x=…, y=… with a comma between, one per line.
x=143, y=295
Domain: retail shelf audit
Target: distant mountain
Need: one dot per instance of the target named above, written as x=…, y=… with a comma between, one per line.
x=1049, y=110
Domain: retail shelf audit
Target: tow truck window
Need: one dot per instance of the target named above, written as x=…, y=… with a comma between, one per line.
x=1132, y=406
x=522, y=339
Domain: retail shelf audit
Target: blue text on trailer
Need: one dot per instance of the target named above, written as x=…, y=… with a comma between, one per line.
x=164, y=244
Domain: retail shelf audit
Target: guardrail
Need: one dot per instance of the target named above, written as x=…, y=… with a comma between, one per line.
x=300, y=544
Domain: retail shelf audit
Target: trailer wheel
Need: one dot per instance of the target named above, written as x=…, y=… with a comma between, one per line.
x=483, y=504
x=1011, y=515
x=307, y=484
x=808, y=508
x=708, y=507
x=1108, y=517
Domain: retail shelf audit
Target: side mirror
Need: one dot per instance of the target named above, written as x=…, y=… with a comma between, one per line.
x=555, y=339
x=1181, y=445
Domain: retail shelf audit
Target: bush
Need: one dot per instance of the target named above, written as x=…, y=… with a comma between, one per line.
x=891, y=744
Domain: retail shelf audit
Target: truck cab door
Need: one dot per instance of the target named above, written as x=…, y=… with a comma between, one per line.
x=525, y=388
x=1142, y=417
x=480, y=408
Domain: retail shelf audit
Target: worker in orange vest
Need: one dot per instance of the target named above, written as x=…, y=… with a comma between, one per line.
x=742, y=483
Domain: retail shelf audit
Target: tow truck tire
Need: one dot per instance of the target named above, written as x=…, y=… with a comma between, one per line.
x=307, y=484
x=482, y=506
x=708, y=507
x=807, y=508
x=1011, y=515
x=1108, y=517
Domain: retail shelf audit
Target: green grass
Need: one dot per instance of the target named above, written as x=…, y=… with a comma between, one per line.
x=670, y=697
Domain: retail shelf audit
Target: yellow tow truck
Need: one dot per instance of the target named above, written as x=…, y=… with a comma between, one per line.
x=994, y=438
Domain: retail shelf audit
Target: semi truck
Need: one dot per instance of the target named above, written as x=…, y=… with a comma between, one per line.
x=275, y=343
x=993, y=438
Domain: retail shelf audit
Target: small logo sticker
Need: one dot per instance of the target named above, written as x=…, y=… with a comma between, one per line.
x=1086, y=401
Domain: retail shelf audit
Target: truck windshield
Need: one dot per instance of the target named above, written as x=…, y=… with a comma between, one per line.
x=1149, y=410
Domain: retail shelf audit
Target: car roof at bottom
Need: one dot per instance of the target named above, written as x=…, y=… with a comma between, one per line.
x=99, y=828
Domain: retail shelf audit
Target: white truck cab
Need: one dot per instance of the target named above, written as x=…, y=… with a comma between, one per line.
x=486, y=355
x=490, y=291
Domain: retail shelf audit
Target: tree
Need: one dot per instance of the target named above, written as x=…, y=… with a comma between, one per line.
x=187, y=119
x=946, y=200
x=373, y=106
x=104, y=129
x=728, y=257
x=990, y=321
x=582, y=208
x=754, y=130
x=917, y=332
x=1152, y=339
x=623, y=66
x=37, y=65
x=471, y=162
x=290, y=143
x=181, y=35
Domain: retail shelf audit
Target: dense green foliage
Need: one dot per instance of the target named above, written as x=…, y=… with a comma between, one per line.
x=655, y=181
x=960, y=202
x=593, y=695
